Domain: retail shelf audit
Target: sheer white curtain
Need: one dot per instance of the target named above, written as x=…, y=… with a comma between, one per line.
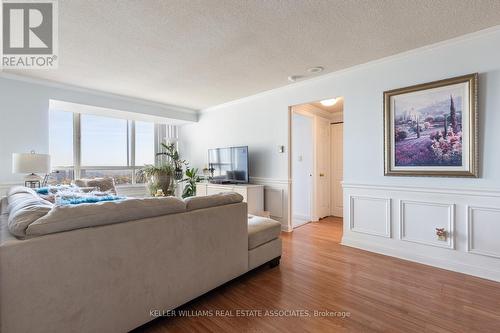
x=166, y=134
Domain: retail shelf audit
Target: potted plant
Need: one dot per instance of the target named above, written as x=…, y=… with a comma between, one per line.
x=191, y=179
x=172, y=152
x=157, y=178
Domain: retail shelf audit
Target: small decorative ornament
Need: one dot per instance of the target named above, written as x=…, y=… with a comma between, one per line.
x=441, y=234
x=159, y=193
x=206, y=174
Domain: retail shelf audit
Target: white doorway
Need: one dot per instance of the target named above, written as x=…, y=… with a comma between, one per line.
x=315, y=162
x=302, y=168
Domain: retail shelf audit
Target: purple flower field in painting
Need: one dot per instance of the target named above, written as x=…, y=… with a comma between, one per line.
x=429, y=136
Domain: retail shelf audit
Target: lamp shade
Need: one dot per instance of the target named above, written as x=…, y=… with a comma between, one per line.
x=30, y=163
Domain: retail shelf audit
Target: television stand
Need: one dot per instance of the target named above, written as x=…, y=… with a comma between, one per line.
x=222, y=182
x=252, y=194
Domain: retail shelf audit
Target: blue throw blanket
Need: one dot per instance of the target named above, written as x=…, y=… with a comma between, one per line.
x=89, y=199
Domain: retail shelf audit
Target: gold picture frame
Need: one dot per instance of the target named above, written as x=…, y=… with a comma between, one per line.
x=427, y=133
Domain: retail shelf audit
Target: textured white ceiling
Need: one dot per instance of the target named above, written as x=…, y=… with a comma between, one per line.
x=202, y=53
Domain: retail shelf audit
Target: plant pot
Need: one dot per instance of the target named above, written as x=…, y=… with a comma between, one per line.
x=178, y=174
x=161, y=181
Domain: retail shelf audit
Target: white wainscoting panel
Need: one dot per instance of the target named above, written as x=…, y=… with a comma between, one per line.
x=273, y=201
x=470, y=215
x=483, y=231
x=418, y=221
x=370, y=215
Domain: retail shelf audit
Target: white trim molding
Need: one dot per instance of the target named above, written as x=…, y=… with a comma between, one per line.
x=459, y=191
x=449, y=244
x=470, y=232
x=388, y=215
x=269, y=181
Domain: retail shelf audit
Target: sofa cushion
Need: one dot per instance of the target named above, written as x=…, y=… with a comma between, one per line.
x=262, y=230
x=220, y=199
x=24, y=207
x=103, y=184
x=70, y=217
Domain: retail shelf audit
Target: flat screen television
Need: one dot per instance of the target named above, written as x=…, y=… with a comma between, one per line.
x=228, y=165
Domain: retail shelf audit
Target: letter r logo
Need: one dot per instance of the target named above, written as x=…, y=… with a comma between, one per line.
x=27, y=28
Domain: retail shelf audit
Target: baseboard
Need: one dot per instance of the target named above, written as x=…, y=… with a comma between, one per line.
x=431, y=261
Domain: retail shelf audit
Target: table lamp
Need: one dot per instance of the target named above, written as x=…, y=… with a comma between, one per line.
x=31, y=163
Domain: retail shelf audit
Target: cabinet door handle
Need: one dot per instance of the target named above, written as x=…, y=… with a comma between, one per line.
x=322, y=175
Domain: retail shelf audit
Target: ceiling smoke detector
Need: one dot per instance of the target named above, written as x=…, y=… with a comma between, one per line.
x=294, y=78
x=315, y=70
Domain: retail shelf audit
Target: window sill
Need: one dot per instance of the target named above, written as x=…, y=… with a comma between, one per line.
x=131, y=186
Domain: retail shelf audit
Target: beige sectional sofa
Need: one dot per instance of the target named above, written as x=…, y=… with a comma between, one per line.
x=112, y=277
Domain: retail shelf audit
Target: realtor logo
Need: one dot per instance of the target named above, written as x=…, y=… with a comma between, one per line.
x=29, y=34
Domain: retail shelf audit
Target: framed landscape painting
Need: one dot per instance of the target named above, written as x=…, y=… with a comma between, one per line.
x=431, y=129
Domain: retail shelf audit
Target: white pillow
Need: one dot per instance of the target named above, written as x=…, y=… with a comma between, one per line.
x=24, y=207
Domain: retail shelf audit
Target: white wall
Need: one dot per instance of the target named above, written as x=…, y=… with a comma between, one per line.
x=261, y=122
x=302, y=168
x=24, y=105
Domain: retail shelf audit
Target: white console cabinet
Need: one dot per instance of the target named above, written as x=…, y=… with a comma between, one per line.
x=253, y=195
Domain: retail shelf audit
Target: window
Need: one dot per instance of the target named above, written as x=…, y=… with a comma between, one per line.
x=61, y=138
x=104, y=141
x=144, y=143
x=61, y=146
x=105, y=146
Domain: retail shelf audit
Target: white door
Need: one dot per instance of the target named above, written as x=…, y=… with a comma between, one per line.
x=302, y=169
x=337, y=131
x=322, y=193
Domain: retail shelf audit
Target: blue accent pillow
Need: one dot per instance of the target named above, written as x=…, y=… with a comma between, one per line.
x=92, y=199
x=42, y=190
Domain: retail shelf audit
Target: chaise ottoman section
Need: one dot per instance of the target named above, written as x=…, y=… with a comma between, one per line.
x=264, y=243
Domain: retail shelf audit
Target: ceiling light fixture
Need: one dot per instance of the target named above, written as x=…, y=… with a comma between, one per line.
x=315, y=70
x=328, y=102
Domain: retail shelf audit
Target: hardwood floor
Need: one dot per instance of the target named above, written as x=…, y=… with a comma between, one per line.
x=381, y=294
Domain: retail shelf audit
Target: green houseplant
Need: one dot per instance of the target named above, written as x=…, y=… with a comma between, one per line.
x=191, y=180
x=167, y=172
x=174, y=158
